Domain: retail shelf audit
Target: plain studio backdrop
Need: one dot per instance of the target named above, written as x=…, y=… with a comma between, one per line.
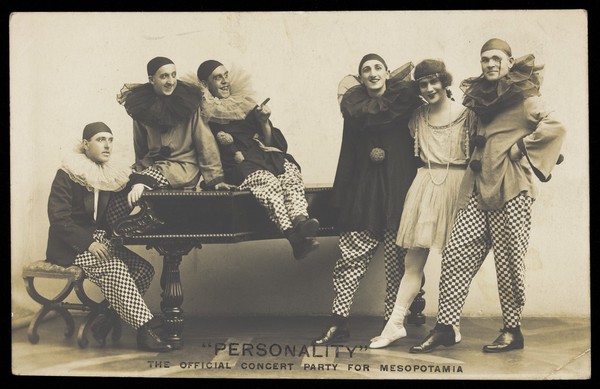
x=67, y=68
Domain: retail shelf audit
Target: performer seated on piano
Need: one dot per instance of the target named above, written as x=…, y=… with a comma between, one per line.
x=254, y=154
x=79, y=209
x=173, y=144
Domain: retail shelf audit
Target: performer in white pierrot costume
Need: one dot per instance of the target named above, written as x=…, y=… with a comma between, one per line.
x=81, y=209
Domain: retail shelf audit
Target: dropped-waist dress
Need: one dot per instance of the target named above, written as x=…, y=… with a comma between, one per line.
x=431, y=202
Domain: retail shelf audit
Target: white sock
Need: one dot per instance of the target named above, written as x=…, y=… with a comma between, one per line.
x=395, y=322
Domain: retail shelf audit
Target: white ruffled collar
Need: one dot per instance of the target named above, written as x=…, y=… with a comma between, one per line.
x=106, y=176
x=235, y=107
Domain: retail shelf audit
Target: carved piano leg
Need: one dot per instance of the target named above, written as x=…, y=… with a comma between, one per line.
x=172, y=298
x=172, y=295
x=416, y=315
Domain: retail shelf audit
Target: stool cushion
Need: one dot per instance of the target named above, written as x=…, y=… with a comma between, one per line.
x=46, y=269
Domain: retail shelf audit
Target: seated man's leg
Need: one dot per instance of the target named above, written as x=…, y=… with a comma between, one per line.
x=157, y=177
x=118, y=208
x=120, y=290
x=116, y=284
x=118, y=213
x=294, y=197
x=266, y=189
x=293, y=190
x=142, y=272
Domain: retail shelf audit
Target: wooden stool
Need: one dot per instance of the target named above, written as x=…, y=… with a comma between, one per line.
x=74, y=277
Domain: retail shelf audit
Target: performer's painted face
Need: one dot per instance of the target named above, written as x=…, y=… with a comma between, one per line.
x=431, y=89
x=98, y=148
x=218, y=82
x=495, y=64
x=164, y=80
x=373, y=75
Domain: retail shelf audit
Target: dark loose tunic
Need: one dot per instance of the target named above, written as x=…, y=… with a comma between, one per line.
x=243, y=133
x=368, y=191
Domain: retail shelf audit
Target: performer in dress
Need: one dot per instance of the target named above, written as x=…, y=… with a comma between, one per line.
x=441, y=129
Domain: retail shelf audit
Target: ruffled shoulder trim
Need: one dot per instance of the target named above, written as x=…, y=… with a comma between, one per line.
x=82, y=170
x=163, y=112
x=399, y=99
x=235, y=107
x=524, y=80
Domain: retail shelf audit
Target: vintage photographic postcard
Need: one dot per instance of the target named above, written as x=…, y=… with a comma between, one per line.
x=250, y=309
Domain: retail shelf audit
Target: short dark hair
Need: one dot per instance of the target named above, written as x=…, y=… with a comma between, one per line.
x=206, y=68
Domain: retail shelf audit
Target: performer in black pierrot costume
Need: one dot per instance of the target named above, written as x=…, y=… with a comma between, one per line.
x=173, y=144
x=516, y=135
x=375, y=169
x=79, y=209
x=254, y=154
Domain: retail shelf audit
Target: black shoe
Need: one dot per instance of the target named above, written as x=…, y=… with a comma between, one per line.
x=331, y=335
x=509, y=339
x=157, y=325
x=304, y=247
x=436, y=337
x=100, y=329
x=305, y=227
x=148, y=339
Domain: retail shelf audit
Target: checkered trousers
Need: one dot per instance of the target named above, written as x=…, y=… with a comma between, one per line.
x=282, y=196
x=119, y=207
x=155, y=174
x=475, y=232
x=123, y=280
x=358, y=248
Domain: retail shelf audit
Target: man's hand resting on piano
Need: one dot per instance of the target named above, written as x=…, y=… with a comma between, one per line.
x=224, y=186
x=135, y=193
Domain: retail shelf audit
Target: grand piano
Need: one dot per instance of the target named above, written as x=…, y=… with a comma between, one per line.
x=175, y=221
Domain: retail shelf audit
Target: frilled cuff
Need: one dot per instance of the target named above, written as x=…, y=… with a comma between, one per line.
x=278, y=139
x=536, y=171
x=210, y=185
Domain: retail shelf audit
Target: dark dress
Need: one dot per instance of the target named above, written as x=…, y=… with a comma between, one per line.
x=369, y=188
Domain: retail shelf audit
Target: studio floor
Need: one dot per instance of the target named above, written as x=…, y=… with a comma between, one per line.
x=279, y=347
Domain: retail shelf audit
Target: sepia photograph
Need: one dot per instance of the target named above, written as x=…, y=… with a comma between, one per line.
x=352, y=195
